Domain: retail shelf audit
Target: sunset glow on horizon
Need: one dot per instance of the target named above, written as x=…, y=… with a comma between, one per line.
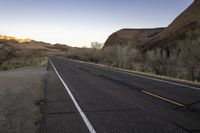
x=78, y=23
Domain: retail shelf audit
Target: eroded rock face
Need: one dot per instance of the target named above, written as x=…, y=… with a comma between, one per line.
x=131, y=37
x=188, y=21
x=165, y=38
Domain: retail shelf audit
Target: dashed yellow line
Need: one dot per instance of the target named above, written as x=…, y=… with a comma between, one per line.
x=162, y=98
x=151, y=94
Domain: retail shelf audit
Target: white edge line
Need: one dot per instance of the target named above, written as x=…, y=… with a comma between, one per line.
x=138, y=75
x=169, y=82
x=85, y=119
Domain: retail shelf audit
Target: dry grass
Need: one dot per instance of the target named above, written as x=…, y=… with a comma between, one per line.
x=86, y=54
x=177, y=63
x=148, y=74
x=14, y=55
x=22, y=62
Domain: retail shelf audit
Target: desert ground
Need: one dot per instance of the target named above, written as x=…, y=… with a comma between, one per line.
x=21, y=94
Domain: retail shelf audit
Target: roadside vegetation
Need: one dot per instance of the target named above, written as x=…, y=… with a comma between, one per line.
x=11, y=57
x=23, y=62
x=182, y=61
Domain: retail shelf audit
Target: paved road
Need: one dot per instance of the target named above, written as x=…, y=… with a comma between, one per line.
x=108, y=101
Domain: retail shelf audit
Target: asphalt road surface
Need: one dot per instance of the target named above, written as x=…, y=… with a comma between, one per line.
x=84, y=98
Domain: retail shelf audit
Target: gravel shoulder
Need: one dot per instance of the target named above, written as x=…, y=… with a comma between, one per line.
x=21, y=91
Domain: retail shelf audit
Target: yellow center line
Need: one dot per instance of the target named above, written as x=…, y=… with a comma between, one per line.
x=162, y=98
x=154, y=95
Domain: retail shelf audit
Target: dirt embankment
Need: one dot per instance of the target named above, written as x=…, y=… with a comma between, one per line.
x=20, y=91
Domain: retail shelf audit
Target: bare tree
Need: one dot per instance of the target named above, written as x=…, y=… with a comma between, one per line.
x=96, y=45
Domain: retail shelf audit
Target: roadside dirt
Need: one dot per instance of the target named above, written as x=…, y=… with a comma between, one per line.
x=21, y=91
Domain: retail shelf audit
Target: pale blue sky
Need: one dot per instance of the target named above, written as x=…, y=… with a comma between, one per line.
x=79, y=22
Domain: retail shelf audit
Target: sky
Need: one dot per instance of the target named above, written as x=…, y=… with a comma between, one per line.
x=80, y=22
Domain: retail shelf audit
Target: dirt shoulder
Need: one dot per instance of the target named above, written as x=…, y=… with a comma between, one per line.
x=20, y=91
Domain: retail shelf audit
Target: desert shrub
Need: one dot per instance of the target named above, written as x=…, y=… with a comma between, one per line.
x=121, y=56
x=163, y=62
x=135, y=59
x=156, y=61
x=86, y=54
x=182, y=61
x=96, y=51
x=174, y=65
x=116, y=56
x=107, y=55
x=22, y=62
x=190, y=53
x=6, y=52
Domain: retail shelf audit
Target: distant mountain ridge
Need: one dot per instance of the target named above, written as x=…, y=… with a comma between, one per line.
x=29, y=46
x=7, y=38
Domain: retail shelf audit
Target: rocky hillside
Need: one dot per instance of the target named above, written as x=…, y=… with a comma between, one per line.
x=148, y=39
x=188, y=21
x=15, y=53
x=28, y=46
x=131, y=37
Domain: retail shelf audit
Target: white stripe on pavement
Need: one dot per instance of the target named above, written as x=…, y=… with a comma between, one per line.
x=138, y=75
x=160, y=80
x=85, y=119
